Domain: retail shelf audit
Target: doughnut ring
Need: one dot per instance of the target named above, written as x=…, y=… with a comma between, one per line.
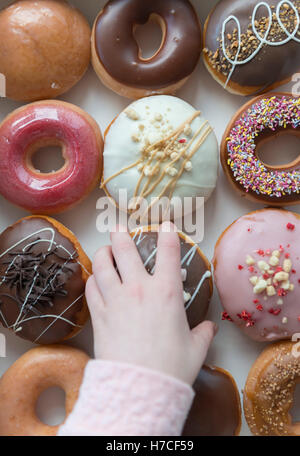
x=116, y=56
x=259, y=120
x=21, y=385
x=41, y=124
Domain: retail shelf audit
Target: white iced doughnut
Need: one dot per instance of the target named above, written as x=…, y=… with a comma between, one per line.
x=160, y=147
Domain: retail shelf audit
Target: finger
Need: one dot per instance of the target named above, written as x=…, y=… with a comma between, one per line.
x=105, y=274
x=94, y=298
x=127, y=257
x=168, y=253
x=203, y=336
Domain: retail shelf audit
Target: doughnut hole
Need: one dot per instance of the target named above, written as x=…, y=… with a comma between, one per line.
x=295, y=410
x=150, y=37
x=47, y=158
x=279, y=150
x=50, y=406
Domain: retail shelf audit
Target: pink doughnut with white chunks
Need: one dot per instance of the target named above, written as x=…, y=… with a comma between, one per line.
x=41, y=124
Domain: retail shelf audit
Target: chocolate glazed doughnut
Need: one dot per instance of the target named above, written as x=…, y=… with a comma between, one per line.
x=216, y=410
x=43, y=271
x=251, y=46
x=116, y=56
x=195, y=271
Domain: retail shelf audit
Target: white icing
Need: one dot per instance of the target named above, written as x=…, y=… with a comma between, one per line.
x=121, y=150
x=262, y=39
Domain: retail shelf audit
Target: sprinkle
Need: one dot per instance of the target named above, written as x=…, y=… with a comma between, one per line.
x=240, y=267
x=290, y=226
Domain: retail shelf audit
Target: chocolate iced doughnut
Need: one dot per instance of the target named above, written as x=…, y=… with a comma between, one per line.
x=253, y=46
x=260, y=120
x=216, y=410
x=43, y=271
x=117, y=58
x=196, y=271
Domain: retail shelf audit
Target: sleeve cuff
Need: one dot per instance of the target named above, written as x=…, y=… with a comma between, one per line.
x=119, y=399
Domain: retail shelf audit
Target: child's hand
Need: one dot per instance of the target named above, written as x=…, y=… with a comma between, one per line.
x=139, y=318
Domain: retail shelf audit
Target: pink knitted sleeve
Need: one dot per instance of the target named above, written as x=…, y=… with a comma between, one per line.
x=118, y=399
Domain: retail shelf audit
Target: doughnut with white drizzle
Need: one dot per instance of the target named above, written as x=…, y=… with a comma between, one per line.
x=196, y=270
x=253, y=46
x=43, y=271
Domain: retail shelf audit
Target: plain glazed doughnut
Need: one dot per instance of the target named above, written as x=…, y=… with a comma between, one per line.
x=43, y=272
x=257, y=274
x=261, y=119
x=159, y=148
x=216, y=410
x=252, y=46
x=117, y=58
x=45, y=48
x=34, y=372
x=269, y=391
x=195, y=270
x=41, y=124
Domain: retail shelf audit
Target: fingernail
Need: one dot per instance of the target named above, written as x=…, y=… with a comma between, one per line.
x=167, y=227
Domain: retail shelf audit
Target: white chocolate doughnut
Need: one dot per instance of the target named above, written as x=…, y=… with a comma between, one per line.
x=129, y=142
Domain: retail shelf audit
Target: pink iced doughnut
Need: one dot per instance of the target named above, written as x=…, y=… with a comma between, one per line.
x=49, y=123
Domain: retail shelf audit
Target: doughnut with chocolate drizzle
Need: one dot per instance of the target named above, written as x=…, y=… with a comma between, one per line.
x=116, y=56
x=43, y=271
x=195, y=270
x=253, y=46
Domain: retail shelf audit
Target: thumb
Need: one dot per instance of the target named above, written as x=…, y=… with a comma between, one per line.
x=203, y=336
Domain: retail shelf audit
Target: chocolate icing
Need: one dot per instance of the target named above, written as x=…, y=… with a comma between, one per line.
x=40, y=280
x=118, y=51
x=272, y=63
x=216, y=407
x=197, y=309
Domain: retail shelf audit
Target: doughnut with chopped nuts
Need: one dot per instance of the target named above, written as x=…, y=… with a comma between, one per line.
x=252, y=46
x=269, y=391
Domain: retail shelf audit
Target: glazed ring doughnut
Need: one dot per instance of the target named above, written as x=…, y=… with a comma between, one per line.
x=215, y=390
x=41, y=124
x=117, y=58
x=269, y=391
x=21, y=385
x=45, y=48
x=252, y=46
x=259, y=120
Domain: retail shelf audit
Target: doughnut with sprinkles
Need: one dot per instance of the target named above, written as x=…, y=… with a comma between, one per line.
x=259, y=120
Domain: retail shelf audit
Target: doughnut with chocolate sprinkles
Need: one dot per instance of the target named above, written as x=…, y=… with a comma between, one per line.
x=43, y=271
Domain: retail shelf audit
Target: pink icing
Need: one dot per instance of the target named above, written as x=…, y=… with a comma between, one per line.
x=261, y=317
x=48, y=192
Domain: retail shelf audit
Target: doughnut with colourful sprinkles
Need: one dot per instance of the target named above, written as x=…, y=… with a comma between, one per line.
x=263, y=118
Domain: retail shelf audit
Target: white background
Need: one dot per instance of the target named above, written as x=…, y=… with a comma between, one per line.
x=231, y=349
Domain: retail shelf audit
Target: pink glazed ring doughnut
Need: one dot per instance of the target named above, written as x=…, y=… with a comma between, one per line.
x=41, y=124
